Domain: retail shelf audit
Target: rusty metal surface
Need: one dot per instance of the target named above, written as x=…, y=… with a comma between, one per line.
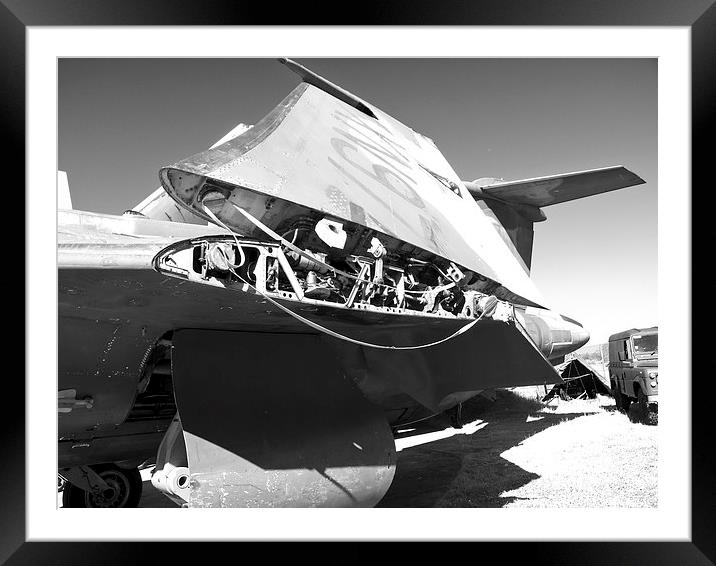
x=270, y=420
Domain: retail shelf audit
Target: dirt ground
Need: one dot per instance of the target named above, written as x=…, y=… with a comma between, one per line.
x=515, y=451
x=518, y=452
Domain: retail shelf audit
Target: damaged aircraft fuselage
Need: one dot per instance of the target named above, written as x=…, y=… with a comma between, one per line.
x=328, y=276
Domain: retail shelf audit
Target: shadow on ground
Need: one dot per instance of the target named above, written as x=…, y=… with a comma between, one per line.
x=462, y=470
x=467, y=470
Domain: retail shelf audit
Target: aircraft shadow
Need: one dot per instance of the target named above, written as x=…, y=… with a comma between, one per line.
x=466, y=470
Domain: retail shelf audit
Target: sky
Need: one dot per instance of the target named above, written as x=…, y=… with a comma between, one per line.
x=594, y=260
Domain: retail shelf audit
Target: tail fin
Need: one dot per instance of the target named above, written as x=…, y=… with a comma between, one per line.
x=517, y=205
x=64, y=201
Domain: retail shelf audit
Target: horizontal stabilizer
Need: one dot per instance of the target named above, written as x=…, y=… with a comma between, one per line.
x=555, y=189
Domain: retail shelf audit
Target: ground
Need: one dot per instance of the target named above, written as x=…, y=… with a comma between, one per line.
x=515, y=451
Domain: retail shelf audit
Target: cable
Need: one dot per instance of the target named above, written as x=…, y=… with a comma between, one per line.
x=306, y=321
x=269, y=232
x=220, y=223
x=330, y=332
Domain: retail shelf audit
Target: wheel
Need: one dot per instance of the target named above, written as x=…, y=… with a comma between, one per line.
x=617, y=396
x=456, y=416
x=647, y=415
x=125, y=489
x=626, y=402
x=621, y=400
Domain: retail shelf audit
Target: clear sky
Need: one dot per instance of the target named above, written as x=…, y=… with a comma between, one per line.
x=594, y=260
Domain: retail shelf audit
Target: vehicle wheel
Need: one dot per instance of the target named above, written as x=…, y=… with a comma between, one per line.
x=648, y=416
x=617, y=397
x=626, y=402
x=125, y=489
x=622, y=401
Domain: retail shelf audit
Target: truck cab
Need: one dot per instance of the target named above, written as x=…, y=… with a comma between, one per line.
x=634, y=372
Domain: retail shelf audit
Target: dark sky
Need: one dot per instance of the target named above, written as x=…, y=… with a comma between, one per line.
x=120, y=120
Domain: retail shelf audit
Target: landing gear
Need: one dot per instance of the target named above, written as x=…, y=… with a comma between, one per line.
x=456, y=416
x=122, y=488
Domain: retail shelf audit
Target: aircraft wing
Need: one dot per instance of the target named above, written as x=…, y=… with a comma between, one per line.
x=111, y=297
x=555, y=189
x=324, y=149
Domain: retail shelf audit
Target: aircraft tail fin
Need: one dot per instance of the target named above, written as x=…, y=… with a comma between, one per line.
x=64, y=200
x=517, y=205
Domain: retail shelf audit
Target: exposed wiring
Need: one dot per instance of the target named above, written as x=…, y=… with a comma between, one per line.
x=304, y=320
x=330, y=332
x=269, y=232
x=225, y=227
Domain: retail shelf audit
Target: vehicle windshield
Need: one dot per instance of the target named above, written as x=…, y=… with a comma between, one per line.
x=646, y=345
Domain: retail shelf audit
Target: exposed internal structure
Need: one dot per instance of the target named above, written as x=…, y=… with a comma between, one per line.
x=365, y=282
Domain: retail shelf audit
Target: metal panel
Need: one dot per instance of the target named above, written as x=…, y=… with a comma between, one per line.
x=491, y=354
x=270, y=420
x=321, y=153
x=555, y=189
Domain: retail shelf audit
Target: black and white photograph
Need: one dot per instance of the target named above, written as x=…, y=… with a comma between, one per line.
x=357, y=282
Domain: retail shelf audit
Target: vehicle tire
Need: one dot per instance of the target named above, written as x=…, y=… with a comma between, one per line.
x=126, y=489
x=648, y=416
x=622, y=401
x=617, y=397
x=626, y=402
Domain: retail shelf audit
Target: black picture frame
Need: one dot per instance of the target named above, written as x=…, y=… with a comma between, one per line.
x=698, y=15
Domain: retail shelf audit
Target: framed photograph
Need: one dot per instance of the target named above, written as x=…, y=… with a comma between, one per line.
x=121, y=103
